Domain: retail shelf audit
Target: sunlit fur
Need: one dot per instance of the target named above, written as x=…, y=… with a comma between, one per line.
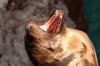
x=69, y=47
x=69, y=41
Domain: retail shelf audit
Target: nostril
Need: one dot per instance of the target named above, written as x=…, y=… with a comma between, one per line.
x=29, y=29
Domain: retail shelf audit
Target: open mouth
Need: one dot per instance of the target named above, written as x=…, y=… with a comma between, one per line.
x=54, y=24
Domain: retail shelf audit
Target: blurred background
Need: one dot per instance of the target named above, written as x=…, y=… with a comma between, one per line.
x=14, y=14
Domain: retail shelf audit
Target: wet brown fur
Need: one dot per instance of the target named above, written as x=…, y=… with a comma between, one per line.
x=70, y=47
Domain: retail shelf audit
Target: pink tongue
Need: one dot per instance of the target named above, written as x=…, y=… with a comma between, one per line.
x=55, y=24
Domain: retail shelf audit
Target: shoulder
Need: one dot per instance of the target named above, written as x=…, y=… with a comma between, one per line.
x=78, y=33
x=82, y=37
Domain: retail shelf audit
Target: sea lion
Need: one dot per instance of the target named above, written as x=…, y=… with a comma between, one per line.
x=54, y=44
